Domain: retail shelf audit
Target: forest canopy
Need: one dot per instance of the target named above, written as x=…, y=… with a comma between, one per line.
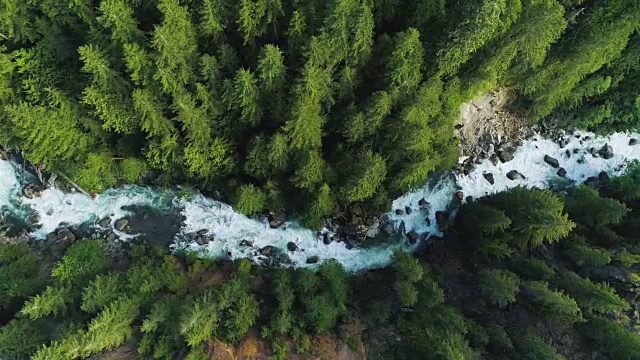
x=316, y=102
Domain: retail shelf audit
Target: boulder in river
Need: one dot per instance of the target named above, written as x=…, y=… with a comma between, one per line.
x=202, y=232
x=606, y=152
x=387, y=227
x=553, y=162
x=633, y=141
x=427, y=221
x=469, y=167
x=407, y=210
x=441, y=218
x=291, y=246
x=373, y=230
x=29, y=190
x=494, y=159
x=514, y=175
x=105, y=222
x=489, y=178
x=313, y=259
x=121, y=224
x=246, y=243
x=402, y=230
x=412, y=237
x=267, y=250
x=326, y=238
x=399, y=212
x=592, y=181
x=562, y=172
x=64, y=235
x=202, y=239
x=459, y=195
x=505, y=155
x=469, y=199
x=423, y=203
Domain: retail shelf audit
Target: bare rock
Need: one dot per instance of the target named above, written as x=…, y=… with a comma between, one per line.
x=291, y=246
x=423, y=203
x=606, y=152
x=494, y=159
x=407, y=210
x=412, y=237
x=326, y=238
x=313, y=259
x=427, y=221
x=633, y=141
x=104, y=222
x=399, y=212
x=246, y=243
x=489, y=178
x=202, y=239
x=121, y=224
x=553, y=162
x=267, y=250
x=388, y=229
x=202, y=232
x=562, y=172
x=505, y=156
x=514, y=175
x=65, y=236
x=469, y=199
x=459, y=195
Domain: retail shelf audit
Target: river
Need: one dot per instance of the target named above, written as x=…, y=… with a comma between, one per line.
x=54, y=208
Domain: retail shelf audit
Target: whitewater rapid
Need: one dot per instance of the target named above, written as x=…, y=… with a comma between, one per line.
x=55, y=208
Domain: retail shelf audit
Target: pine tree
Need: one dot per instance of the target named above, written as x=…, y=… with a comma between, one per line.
x=83, y=260
x=365, y=177
x=554, y=304
x=54, y=300
x=247, y=95
x=250, y=199
x=533, y=347
x=587, y=208
x=500, y=287
x=119, y=17
x=598, y=297
x=404, y=68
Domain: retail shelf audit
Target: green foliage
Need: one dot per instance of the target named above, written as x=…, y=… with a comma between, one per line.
x=53, y=301
x=408, y=273
x=20, y=338
x=598, y=297
x=555, y=304
x=18, y=270
x=83, y=260
x=100, y=292
x=500, y=287
x=612, y=338
x=534, y=269
x=536, y=215
x=583, y=255
x=587, y=208
x=533, y=347
x=250, y=199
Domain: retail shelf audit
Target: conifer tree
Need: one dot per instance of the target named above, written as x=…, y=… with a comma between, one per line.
x=499, y=286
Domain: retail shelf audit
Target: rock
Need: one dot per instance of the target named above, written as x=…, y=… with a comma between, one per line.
x=64, y=235
x=202, y=232
x=459, y=195
x=412, y=237
x=441, y=218
x=513, y=175
x=121, y=224
x=267, y=250
x=202, y=239
x=35, y=218
x=4, y=155
x=387, y=228
x=567, y=154
x=423, y=203
x=586, y=138
x=494, y=159
x=427, y=221
x=399, y=212
x=575, y=151
x=246, y=243
x=483, y=155
x=592, y=182
x=505, y=156
x=468, y=168
x=274, y=224
x=104, y=222
x=562, y=172
x=326, y=238
x=580, y=160
x=357, y=210
x=458, y=126
x=291, y=246
x=27, y=191
x=606, y=152
x=603, y=176
x=562, y=143
x=553, y=162
x=469, y=199
x=489, y=178
x=407, y=210
x=372, y=231
x=284, y=258
x=402, y=230
x=633, y=141
x=313, y=260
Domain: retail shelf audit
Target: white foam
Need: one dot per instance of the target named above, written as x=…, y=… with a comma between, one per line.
x=229, y=228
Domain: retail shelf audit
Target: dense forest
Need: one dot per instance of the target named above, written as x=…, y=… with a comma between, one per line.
x=296, y=104
x=523, y=274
